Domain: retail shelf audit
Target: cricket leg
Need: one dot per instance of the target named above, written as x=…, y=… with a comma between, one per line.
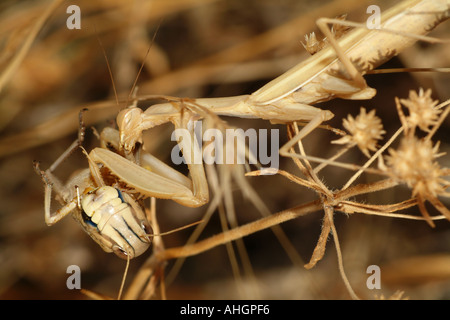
x=52, y=182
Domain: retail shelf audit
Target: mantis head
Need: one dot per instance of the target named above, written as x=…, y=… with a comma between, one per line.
x=129, y=121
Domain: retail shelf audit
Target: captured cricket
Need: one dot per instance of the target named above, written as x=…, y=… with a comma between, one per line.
x=111, y=212
x=107, y=199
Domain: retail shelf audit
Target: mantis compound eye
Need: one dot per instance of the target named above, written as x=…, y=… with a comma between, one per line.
x=129, y=122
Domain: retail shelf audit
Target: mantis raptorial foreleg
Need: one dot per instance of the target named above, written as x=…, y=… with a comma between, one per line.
x=153, y=178
x=111, y=216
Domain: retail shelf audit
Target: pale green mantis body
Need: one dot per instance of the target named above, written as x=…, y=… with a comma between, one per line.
x=334, y=72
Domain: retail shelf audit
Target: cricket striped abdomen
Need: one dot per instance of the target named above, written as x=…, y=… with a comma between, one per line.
x=115, y=219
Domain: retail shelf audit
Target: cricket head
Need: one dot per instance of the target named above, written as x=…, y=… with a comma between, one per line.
x=129, y=122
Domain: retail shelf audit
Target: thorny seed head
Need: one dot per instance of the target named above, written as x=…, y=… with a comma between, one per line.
x=313, y=45
x=364, y=131
x=422, y=111
x=398, y=295
x=338, y=30
x=414, y=163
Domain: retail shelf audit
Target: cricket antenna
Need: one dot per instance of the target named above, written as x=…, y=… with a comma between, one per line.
x=143, y=63
x=108, y=65
x=119, y=296
x=175, y=230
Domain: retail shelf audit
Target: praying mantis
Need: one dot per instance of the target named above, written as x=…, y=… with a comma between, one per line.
x=334, y=72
